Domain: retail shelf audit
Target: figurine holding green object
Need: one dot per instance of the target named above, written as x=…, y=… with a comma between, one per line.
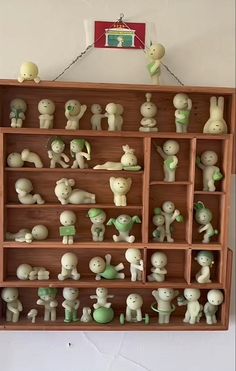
x=47, y=298
x=134, y=257
x=29, y=72
x=124, y=224
x=73, y=112
x=67, y=195
x=183, y=106
x=14, y=307
x=57, y=155
x=17, y=115
x=134, y=303
x=206, y=260
x=97, y=117
x=159, y=261
x=46, y=108
x=69, y=263
x=163, y=306
x=170, y=214
x=71, y=304
x=24, y=188
x=67, y=230
x=168, y=153
x=97, y=217
x=194, y=308
x=77, y=147
x=148, y=110
x=120, y=187
x=203, y=217
x=211, y=173
x=159, y=221
x=155, y=53
x=216, y=124
x=103, y=268
x=215, y=298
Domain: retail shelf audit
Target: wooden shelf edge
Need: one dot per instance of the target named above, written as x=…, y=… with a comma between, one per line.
x=69, y=170
x=77, y=245
x=70, y=206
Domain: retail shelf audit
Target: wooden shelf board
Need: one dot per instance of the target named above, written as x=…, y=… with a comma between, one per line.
x=168, y=246
x=70, y=206
x=69, y=170
x=207, y=246
x=216, y=193
x=159, y=182
x=57, y=244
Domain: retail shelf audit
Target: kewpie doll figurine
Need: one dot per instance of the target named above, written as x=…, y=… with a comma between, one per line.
x=101, y=297
x=216, y=124
x=32, y=157
x=211, y=173
x=163, y=297
x=14, y=306
x=203, y=217
x=77, y=151
x=27, y=272
x=57, y=155
x=97, y=218
x=206, y=260
x=134, y=257
x=159, y=261
x=124, y=223
x=155, y=54
x=215, y=298
x=67, y=195
x=71, y=304
x=134, y=304
x=104, y=269
x=24, y=188
x=159, y=221
x=29, y=72
x=17, y=115
x=97, y=117
x=168, y=153
x=47, y=298
x=67, y=230
x=69, y=263
x=170, y=214
x=120, y=187
x=183, y=106
x=46, y=109
x=148, y=111
x=73, y=112
x=194, y=309
x=38, y=233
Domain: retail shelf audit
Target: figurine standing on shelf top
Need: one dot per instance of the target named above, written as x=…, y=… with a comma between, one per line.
x=120, y=187
x=206, y=260
x=67, y=195
x=163, y=306
x=71, y=304
x=97, y=217
x=97, y=117
x=77, y=151
x=29, y=72
x=215, y=298
x=203, y=217
x=170, y=214
x=73, y=112
x=159, y=261
x=183, y=106
x=47, y=298
x=114, y=116
x=170, y=149
x=17, y=115
x=46, y=109
x=104, y=269
x=155, y=53
x=69, y=263
x=134, y=257
x=23, y=188
x=38, y=233
x=14, y=307
x=211, y=173
x=216, y=123
x=123, y=224
x=67, y=230
x=148, y=111
x=194, y=308
x=57, y=155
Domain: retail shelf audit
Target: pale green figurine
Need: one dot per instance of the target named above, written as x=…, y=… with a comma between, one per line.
x=57, y=155
x=38, y=233
x=67, y=195
x=159, y=261
x=24, y=187
x=148, y=110
x=86, y=316
x=155, y=53
x=73, y=112
x=163, y=305
x=159, y=221
x=216, y=124
x=215, y=298
x=211, y=173
x=183, y=106
x=120, y=187
x=46, y=108
x=67, y=230
x=104, y=269
x=134, y=303
x=206, y=260
x=134, y=257
x=17, y=115
x=103, y=312
x=69, y=263
x=124, y=224
x=29, y=72
x=194, y=308
x=203, y=217
x=47, y=298
x=97, y=217
x=71, y=304
x=97, y=117
x=80, y=150
x=27, y=272
x=168, y=153
x=14, y=306
x=170, y=214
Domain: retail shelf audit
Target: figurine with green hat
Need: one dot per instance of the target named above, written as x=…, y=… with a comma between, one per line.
x=97, y=217
x=80, y=150
x=206, y=260
x=203, y=216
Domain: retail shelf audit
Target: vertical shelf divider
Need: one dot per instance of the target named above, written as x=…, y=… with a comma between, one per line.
x=146, y=189
x=2, y=203
x=190, y=190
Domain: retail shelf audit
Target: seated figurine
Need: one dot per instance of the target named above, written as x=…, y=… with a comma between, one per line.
x=206, y=260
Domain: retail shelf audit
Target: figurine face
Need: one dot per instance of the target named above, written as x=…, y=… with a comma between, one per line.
x=166, y=294
x=133, y=256
x=24, y=185
x=111, y=108
x=58, y=146
x=97, y=265
x=96, y=109
x=192, y=294
x=46, y=106
x=180, y=101
x=101, y=292
x=205, y=258
x=29, y=71
x=39, y=232
x=134, y=301
x=47, y=294
x=148, y=109
x=63, y=191
x=209, y=158
x=9, y=294
x=73, y=106
x=158, y=220
x=18, y=104
x=203, y=216
x=67, y=218
x=171, y=147
x=70, y=293
x=99, y=219
x=23, y=271
x=15, y=160
x=159, y=259
x=168, y=207
x=121, y=185
x=156, y=51
x=69, y=260
x=215, y=297
x=124, y=219
x=76, y=146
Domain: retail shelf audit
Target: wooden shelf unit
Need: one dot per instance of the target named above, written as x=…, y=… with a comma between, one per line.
x=147, y=192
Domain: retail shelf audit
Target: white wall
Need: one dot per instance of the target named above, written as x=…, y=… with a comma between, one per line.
x=199, y=36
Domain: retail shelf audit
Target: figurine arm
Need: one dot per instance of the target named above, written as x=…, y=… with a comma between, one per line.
x=161, y=152
x=139, y=267
x=82, y=111
x=199, y=164
x=12, y=115
x=20, y=192
x=53, y=304
x=12, y=309
x=50, y=154
x=77, y=303
x=67, y=114
x=66, y=158
x=189, y=104
x=108, y=259
x=204, y=228
x=93, y=297
x=22, y=115
x=20, y=307
x=40, y=302
x=155, y=294
x=65, y=305
x=110, y=296
x=174, y=216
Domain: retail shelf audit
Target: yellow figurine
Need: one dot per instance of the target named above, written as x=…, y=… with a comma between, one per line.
x=155, y=54
x=29, y=72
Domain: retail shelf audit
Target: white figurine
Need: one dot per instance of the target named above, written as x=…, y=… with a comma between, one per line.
x=24, y=188
x=38, y=233
x=97, y=218
x=17, y=115
x=69, y=263
x=119, y=118
x=104, y=269
x=134, y=257
x=47, y=298
x=158, y=220
x=57, y=155
x=194, y=309
x=29, y=72
x=206, y=260
x=124, y=223
x=27, y=272
x=183, y=106
x=163, y=297
x=31, y=157
x=114, y=115
x=14, y=160
x=97, y=117
x=203, y=216
x=67, y=195
x=14, y=306
x=168, y=153
x=215, y=298
x=32, y=314
x=159, y=261
x=67, y=230
x=120, y=187
x=46, y=109
x=155, y=54
x=170, y=214
x=148, y=111
x=211, y=173
x=216, y=123
x=71, y=304
x=73, y=112
x=134, y=304
x=77, y=151
x=86, y=316
x=101, y=297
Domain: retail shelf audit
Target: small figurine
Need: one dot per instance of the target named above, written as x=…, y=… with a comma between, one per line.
x=86, y=316
x=71, y=304
x=97, y=217
x=183, y=106
x=56, y=154
x=114, y=115
x=148, y=111
x=170, y=149
x=47, y=298
x=216, y=123
x=77, y=152
x=38, y=233
x=69, y=263
x=17, y=115
x=203, y=216
x=211, y=173
x=170, y=214
x=14, y=306
x=120, y=187
x=14, y=160
x=194, y=309
x=215, y=298
x=97, y=117
x=31, y=157
x=73, y=112
x=124, y=224
x=163, y=297
x=103, y=312
x=158, y=220
x=134, y=257
x=206, y=260
x=46, y=109
x=155, y=53
x=104, y=269
x=32, y=314
x=27, y=272
x=67, y=230
x=67, y=195
x=134, y=304
x=23, y=188
x=159, y=261
x=29, y=72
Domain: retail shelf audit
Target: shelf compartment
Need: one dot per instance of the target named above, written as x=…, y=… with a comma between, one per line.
x=215, y=270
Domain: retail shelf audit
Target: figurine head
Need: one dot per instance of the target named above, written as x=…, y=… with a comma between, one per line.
x=47, y=293
x=192, y=294
x=134, y=301
x=159, y=259
x=97, y=216
x=215, y=297
x=171, y=147
x=69, y=260
x=209, y=158
x=148, y=109
x=111, y=108
x=23, y=271
x=76, y=145
x=46, y=106
x=180, y=101
x=70, y=293
x=63, y=188
x=128, y=158
x=101, y=292
x=23, y=185
x=18, y=104
x=29, y=71
x=14, y=160
x=203, y=215
x=9, y=294
x=166, y=294
x=168, y=207
x=39, y=232
x=96, y=109
x=156, y=51
x=67, y=218
x=120, y=185
x=133, y=256
x=73, y=106
x=158, y=219
x=97, y=265
x=57, y=145
x=205, y=258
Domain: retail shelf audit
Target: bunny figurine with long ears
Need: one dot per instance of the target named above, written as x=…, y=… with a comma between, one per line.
x=216, y=124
